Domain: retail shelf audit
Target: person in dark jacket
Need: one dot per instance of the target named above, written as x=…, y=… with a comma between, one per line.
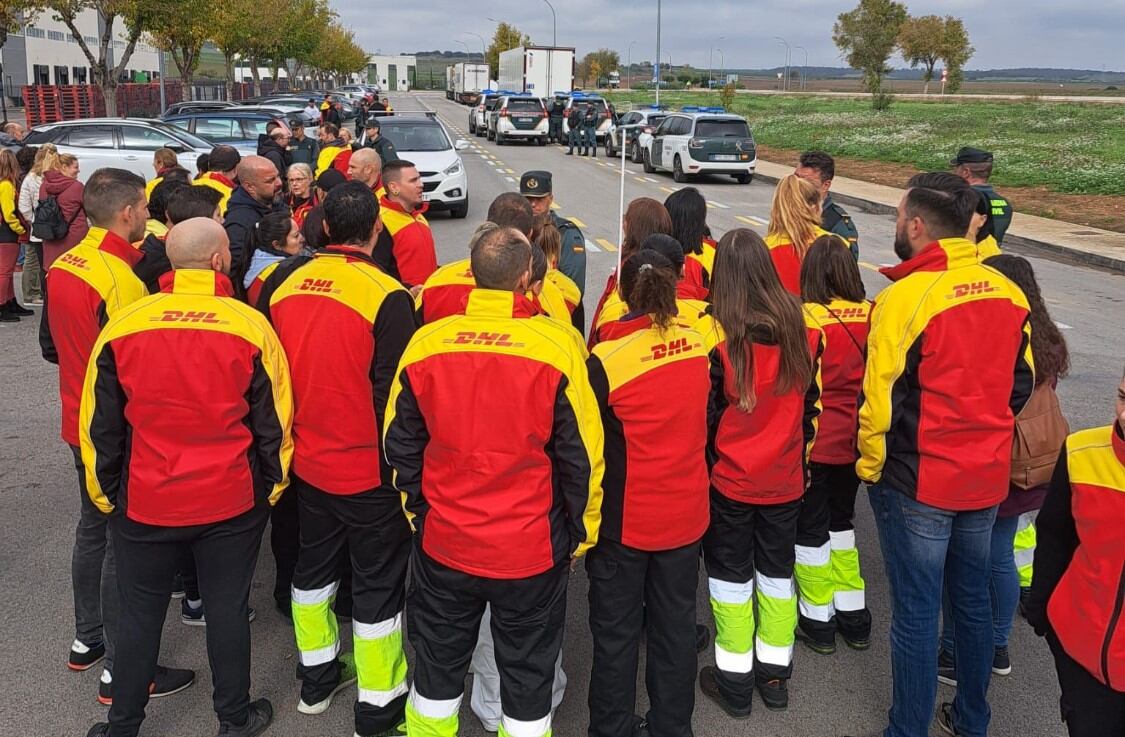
x=590, y=120
x=274, y=145
x=555, y=118
x=181, y=202
x=372, y=138
x=302, y=148
x=255, y=198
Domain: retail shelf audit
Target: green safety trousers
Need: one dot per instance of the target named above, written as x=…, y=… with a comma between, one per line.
x=1025, y=547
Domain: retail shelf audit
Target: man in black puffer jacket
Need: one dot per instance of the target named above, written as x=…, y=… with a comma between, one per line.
x=274, y=145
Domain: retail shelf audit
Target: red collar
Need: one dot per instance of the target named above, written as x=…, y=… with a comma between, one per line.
x=118, y=246
x=217, y=177
x=196, y=281
x=390, y=204
x=341, y=249
x=942, y=255
x=627, y=325
x=498, y=303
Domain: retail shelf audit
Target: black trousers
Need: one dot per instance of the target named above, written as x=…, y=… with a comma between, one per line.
x=633, y=591
x=285, y=541
x=1089, y=707
x=443, y=616
x=147, y=556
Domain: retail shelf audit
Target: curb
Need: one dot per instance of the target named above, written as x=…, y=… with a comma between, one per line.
x=1031, y=246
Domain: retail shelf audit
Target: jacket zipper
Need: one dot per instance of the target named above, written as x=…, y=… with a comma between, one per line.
x=1113, y=625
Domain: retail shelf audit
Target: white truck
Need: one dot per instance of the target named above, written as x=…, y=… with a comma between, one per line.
x=468, y=81
x=537, y=70
x=449, y=81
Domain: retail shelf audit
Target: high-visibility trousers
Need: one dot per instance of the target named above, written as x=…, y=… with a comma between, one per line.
x=1025, y=547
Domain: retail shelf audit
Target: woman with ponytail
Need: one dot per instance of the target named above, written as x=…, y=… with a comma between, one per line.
x=276, y=237
x=762, y=414
x=794, y=225
x=652, y=384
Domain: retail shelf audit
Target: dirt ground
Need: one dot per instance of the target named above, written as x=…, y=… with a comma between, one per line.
x=1098, y=211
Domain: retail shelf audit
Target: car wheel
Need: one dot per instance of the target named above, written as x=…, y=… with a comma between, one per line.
x=646, y=161
x=678, y=170
x=610, y=151
x=472, y=127
x=542, y=141
x=459, y=211
x=636, y=157
x=500, y=140
x=490, y=136
x=744, y=178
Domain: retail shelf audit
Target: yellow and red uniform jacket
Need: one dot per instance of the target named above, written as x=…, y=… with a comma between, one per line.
x=88, y=284
x=786, y=261
x=445, y=292
x=844, y=325
x=761, y=456
x=412, y=259
x=696, y=283
x=948, y=368
x=609, y=326
x=652, y=387
x=220, y=184
x=186, y=407
x=344, y=325
x=496, y=440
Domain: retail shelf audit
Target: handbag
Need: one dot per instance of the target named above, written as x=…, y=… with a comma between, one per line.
x=1040, y=432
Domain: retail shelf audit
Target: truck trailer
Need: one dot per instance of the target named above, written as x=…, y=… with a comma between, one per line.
x=468, y=81
x=537, y=70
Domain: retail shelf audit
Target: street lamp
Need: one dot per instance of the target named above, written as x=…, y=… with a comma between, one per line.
x=554, y=25
x=788, y=51
x=670, y=72
x=506, y=28
x=804, y=69
x=483, y=50
x=657, y=79
x=629, y=55
x=722, y=65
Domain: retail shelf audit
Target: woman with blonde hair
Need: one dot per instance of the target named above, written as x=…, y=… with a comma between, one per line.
x=10, y=231
x=61, y=182
x=794, y=225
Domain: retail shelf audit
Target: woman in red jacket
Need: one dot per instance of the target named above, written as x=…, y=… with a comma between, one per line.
x=828, y=576
x=61, y=182
x=794, y=225
x=688, y=211
x=652, y=382
x=761, y=416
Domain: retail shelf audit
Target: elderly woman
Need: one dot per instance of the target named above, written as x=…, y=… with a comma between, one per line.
x=302, y=196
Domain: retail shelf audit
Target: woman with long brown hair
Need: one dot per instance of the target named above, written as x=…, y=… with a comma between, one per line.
x=11, y=228
x=794, y=225
x=762, y=414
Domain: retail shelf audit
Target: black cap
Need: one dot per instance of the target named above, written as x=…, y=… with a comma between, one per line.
x=330, y=178
x=970, y=155
x=372, y=122
x=535, y=184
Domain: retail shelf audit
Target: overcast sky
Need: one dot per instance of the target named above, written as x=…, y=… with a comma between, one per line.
x=1005, y=33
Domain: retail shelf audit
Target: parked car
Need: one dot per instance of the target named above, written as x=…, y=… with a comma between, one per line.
x=702, y=141
x=352, y=91
x=238, y=126
x=518, y=117
x=478, y=114
x=425, y=141
x=631, y=130
x=197, y=106
x=123, y=143
x=605, y=118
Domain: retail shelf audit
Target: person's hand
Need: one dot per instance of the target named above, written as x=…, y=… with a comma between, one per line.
x=573, y=565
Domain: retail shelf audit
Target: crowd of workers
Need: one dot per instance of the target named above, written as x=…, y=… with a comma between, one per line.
x=455, y=425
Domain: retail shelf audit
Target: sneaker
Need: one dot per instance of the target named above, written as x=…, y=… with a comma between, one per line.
x=946, y=669
x=702, y=637
x=856, y=643
x=945, y=719
x=84, y=657
x=101, y=729
x=1001, y=662
x=194, y=616
x=774, y=693
x=347, y=678
x=709, y=685
x=166, y=682
x=16, y=309
x=818, y=646
x=258, y=719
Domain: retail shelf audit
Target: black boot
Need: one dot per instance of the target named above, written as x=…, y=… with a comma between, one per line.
x=19, y=310
x=6, y=314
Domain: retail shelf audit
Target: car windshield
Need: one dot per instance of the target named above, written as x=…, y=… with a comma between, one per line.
x=598, y=103
x=183, y=135
x=525, y=104
x=654, y=120
x=416, y=136
x=721, y=129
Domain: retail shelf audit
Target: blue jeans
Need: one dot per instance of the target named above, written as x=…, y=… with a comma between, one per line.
x=922, y=546
x=1004, y=587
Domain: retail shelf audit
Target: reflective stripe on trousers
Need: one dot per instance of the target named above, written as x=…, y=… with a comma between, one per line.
x=847, y=580
x=1025, y=547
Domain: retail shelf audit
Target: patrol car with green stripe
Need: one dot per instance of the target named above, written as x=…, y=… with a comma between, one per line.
x=702, y=140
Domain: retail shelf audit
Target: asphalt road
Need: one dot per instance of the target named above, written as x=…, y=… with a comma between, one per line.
x=830, y=696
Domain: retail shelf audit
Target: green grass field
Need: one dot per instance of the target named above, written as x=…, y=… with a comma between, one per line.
x=1070, y=148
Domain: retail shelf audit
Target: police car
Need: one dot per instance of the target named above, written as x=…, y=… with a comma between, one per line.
x=478, y=114
x=518, y=117
x=702, y=140
x=632, y=130
x=581, y=99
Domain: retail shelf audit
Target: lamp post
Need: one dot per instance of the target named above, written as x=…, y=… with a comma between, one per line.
x=656, y=76
x=629, y=55
x=722, y=66
x=804, y=68
x=554, y=25
x=788, y=51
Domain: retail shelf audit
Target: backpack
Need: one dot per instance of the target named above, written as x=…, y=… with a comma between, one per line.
x=49, y=225
x=1039, y=434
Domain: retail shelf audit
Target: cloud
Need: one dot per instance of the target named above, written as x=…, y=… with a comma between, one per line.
x=1032, y=33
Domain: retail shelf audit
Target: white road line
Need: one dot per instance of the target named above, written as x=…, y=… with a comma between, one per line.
x=650, y=179
x=590, y=246
x=1063, y=326
x=510, y=179
x=719, y=205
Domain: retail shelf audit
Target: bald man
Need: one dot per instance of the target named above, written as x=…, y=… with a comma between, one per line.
x=367, y=166
x=191, y=457
x=255, y=197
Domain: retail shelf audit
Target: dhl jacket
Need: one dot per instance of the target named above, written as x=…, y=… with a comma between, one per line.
x=691, y=312
x=948, y=367
x=563, y=293
x=1078, y=584
x=785, y=260
x=260, y=291
x=609, y=293
x=344, y=325
x=844, y=325
x=761, y=456
x=652, y=387
x=87, y=285
x=413, y=257
x=186, y=407
x=326, y=159
x=495, y=439
x=445, y=292
x=696, y=283
x=220, y=184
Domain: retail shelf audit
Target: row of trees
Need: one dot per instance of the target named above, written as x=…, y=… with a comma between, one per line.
x=261, y=33
x=873, y=31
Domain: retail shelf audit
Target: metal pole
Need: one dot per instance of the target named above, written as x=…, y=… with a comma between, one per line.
x=629, y=83
x=804, y=67
x=710, y=64
x=163, y=97
x=657, y=75
x=554, y=26
x=722, y=67
x=787, y=51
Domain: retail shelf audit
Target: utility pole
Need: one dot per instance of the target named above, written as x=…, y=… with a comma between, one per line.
x=788, y=51
x=554, y=25
x=656, y=75
x=805, y=67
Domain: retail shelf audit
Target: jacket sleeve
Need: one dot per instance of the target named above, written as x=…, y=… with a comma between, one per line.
x=414, y=254
x=8, y=196
x=70, y=203
x=28, y=199
x=46, y=340
x=405, y=438
x=577, y=449
x=813, y=406
x=394, y=326
x=572, y=257
x=717, y=403
x=102, y=428
x=239, y=235
x=271, y=414
x=885, y=363
x=1056, y=541
x=1024, y=382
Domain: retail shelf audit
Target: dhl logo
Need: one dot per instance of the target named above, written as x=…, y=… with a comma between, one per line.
x=317, y=285
x=971, y=289
x=851, y=313
x=189, y=316
x=500, y=340
x=673, y=348
x=77, y=261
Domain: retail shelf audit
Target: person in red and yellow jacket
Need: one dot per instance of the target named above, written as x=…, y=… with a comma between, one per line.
x=1078, y=584
x=688, y=210
x=446, y=291
x=344, y=324
x=831, y=589
x=331, y=148
x=185, y=436
x=652, y=384
x=412, y=258
x=794, y=224
x=762, y=415
x=949, y=365
x=502, y=481
x=224, y=165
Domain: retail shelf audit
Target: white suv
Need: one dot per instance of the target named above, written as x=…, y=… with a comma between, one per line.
x=518, y=117
x=478, y=114
x=702, y=141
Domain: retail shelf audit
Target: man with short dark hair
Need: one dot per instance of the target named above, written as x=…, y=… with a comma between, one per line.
x=331, y=147
x=935, y=446
x=184, y=203
x=975, y=167
x=501, y=530
x=222, y=168
x=511, y=210
x=87, y=285
x=256, y=197
x=302, y=149
x=820, y=169
x=411, y=258
x=373, y=138
x=274, y=144
x=330, y=113
x=344, y=324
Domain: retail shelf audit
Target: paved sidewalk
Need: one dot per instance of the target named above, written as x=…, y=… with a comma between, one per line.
x=1088, y=246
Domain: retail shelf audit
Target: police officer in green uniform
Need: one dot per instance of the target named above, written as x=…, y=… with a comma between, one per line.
x=538, y=188
x=820, y=169
x=975, y=167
